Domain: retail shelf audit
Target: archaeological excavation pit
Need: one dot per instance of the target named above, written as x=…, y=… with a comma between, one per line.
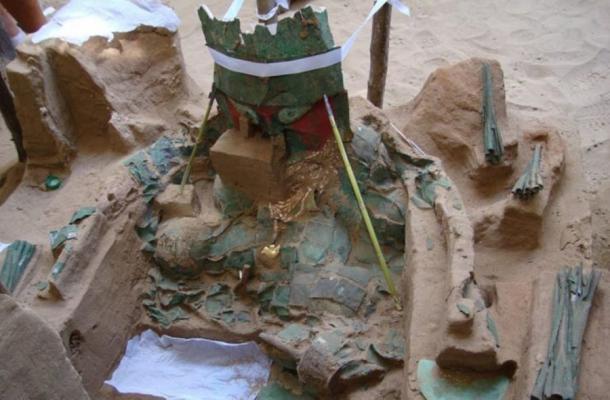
x=168, y=243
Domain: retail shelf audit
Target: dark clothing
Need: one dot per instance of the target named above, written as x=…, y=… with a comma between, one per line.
x=7, y=107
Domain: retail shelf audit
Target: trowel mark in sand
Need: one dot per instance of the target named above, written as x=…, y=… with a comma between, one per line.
x=426, y=39
x=523, y=36
x=534, y=71
x=482, y=46
x=438, y=57
x=437, y=62
x=594, y=122
x=567, y=48
x=466, y=30
x=591, y=78
x=522, y=7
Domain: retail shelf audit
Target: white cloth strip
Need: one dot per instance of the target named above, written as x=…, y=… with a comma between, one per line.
x=233, y=10
x=270, y=14
x=305, y=64
x=410, y=142
x=349, y=43
x=285, y=4
x=265, y=70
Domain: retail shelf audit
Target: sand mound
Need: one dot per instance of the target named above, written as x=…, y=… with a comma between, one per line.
x=102, y=96
x=23, y=335
x=518, y=245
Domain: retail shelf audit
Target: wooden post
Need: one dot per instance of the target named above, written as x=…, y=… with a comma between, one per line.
x=263, y=7
x=380, y=46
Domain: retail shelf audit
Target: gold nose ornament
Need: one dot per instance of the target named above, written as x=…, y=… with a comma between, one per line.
x=271, y=251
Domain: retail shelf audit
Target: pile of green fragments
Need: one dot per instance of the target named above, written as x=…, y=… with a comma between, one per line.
x=60, y=241
x=149, y=166
x=317, y=295
x=326, y=267
x=330, y=236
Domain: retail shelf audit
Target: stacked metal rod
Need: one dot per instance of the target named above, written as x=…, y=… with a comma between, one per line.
x=572, y=299
x=494, y=149
x=530, y=182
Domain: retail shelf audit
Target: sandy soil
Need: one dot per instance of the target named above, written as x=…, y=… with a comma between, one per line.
x=8, y=156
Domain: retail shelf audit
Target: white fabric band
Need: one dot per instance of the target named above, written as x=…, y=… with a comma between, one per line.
x=236, y=6
x=264, y=70
x=285, y=4
x=233, y=10
x=270, y=14
x=332, y=57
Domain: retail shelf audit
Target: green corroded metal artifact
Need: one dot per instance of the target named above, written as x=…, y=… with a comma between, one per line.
x=435, y=384
x=18, y=256
x=274, y=391
x=530, y=182
x=60, y=236
x=290, y=105
x=52, y=182
x=572, y=298
x=148, y=166
x=81, y=214
x=494, y=149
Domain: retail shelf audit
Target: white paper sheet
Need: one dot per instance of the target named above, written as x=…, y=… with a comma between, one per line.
x=191, y=369
x=3, y=246
x=79, y=20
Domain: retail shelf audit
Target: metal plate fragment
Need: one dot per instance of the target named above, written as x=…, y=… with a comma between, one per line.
x=437, y=384
x=16, y=260
x=81, y=214
x=60, y=236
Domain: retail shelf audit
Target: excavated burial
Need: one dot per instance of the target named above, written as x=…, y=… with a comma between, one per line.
x=195, y=242
x=147, y=256
x=317, y=299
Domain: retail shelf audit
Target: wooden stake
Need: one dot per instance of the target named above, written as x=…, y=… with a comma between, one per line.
x=380, y=46
x=189, y=166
